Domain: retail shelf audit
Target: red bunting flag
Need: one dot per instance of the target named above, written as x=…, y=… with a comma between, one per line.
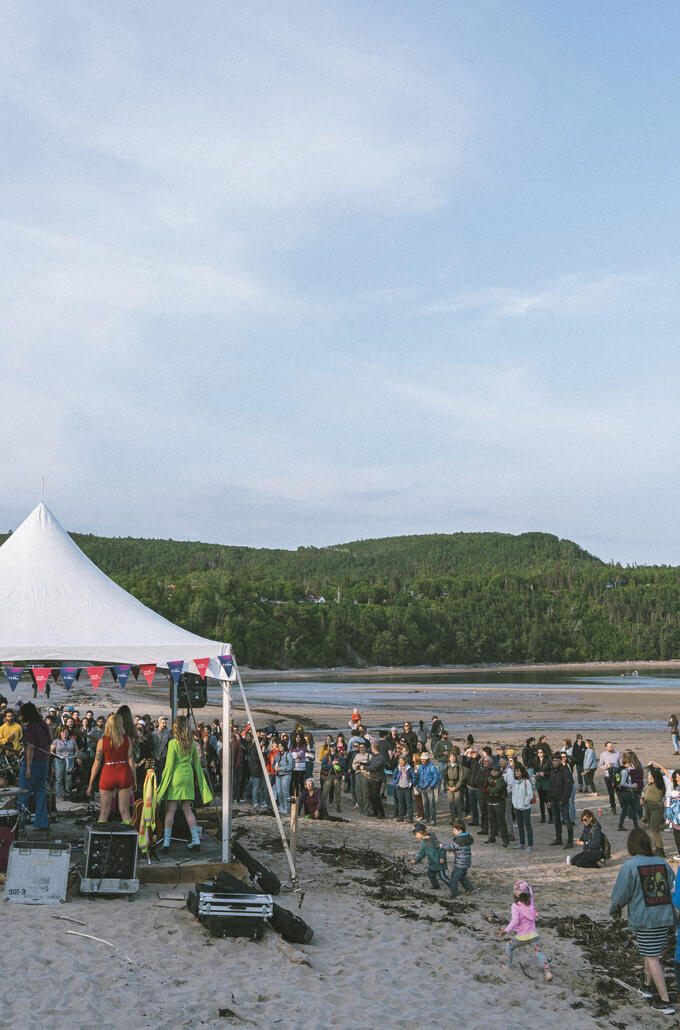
x=95, y=672
x=147, y=672
x=201, y=664
x=41, y=677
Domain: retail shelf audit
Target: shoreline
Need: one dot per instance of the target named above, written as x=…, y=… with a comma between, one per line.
x=415, y=671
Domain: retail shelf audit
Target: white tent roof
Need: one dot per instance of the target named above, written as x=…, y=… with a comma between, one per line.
x=56, y=605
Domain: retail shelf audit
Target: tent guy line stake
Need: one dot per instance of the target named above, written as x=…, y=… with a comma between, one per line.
x=291, y=864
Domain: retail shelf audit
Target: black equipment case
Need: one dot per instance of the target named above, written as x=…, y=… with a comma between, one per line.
x=230, y=915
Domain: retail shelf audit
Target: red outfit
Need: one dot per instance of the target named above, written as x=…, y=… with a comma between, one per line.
x=116, y=771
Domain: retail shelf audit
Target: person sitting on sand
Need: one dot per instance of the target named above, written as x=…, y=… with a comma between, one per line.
x=590, y=841
x=309, y=802
x=522, y=927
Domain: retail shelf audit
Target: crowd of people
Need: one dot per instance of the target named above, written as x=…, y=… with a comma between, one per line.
x=413, y=774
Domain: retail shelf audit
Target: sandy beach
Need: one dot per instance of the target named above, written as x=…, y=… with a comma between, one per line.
x=387, y=948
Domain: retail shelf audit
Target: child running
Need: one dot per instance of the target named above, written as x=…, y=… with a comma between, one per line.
x=522, y=926
x=461, y=845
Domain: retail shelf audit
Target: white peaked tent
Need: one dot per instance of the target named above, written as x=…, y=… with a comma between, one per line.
x=56, y=605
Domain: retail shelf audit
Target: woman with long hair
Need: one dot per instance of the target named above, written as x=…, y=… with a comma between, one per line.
x=114, y=752
x=653, y=796
x=181, y=765
x=35, y=763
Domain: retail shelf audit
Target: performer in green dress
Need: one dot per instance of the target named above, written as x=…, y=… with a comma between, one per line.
x=181, y=765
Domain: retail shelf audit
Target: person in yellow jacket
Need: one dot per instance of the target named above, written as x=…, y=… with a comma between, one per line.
x=181, y=765
x=11, y=731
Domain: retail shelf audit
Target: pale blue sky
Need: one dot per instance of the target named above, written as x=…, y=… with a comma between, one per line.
x=300, y=273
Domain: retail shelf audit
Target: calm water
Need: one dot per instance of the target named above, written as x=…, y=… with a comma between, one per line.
x=428, y=696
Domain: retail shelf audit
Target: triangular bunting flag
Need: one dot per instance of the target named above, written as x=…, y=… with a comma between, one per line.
x=41, y=676
x=147, y=672
x=55, y=675
x=201, y=664
x=227, y=663
x=135, y=672
x=13, y=674
x=68, y=674
x=175, y=669
x=95, y=672
x=120, y=674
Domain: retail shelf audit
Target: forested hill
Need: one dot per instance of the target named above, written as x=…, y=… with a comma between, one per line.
x=435, y=600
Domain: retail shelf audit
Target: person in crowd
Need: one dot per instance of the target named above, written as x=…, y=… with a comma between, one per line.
x=568, y=763
x=309, y=756
x=577, y=753
x=298, y=750
x=627, y=792
x=374, y=771
x=644, y=885
x=672, y=806
x=454, y=780
x=461, y=846
x=610, y=762
x=325, y=747
x=360, y=759
x=402, y=781
x=114, y=756
x=11, y=733
x=542, y=778
x=37, y=741
x=590, y=843
x=653, y=796
x=673, y=723
x=559, y=794
x=496, y=791
x=441, y=749
x=410, y=737
x=590, y=763
x=508, y=773
x=64, y=750
x=530, y=756
x=522, y=927
x=431, y=850
x=161, y=739
x=182, y=768
x=427, y=778
x=332, y=772
x=522, y=799
x=283, y=770
x=476, y=778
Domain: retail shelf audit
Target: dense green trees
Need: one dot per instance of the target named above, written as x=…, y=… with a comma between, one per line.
x=417, y=600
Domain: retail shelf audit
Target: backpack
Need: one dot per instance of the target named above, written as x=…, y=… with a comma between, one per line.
x=606, y=848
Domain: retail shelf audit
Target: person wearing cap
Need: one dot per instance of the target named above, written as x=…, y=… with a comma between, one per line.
x=427, y=779
x=476, y=777
x=332, y=771
x=432, y=851
x=559, y=795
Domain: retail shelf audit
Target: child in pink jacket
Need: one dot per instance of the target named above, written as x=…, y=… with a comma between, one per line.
x=522, y=926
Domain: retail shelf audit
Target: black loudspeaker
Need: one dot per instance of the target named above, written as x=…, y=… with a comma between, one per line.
x=265, y=879
x=110, y=853
x=192, y=691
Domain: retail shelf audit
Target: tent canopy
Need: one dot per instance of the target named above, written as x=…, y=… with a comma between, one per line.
x=56, y=605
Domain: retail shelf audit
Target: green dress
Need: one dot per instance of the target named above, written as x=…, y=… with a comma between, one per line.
x=178, y=775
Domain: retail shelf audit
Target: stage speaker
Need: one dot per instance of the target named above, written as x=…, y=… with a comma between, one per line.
x=110, y=860
x=192, y=691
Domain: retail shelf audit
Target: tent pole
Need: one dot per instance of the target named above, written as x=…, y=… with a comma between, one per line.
x=226, y=771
